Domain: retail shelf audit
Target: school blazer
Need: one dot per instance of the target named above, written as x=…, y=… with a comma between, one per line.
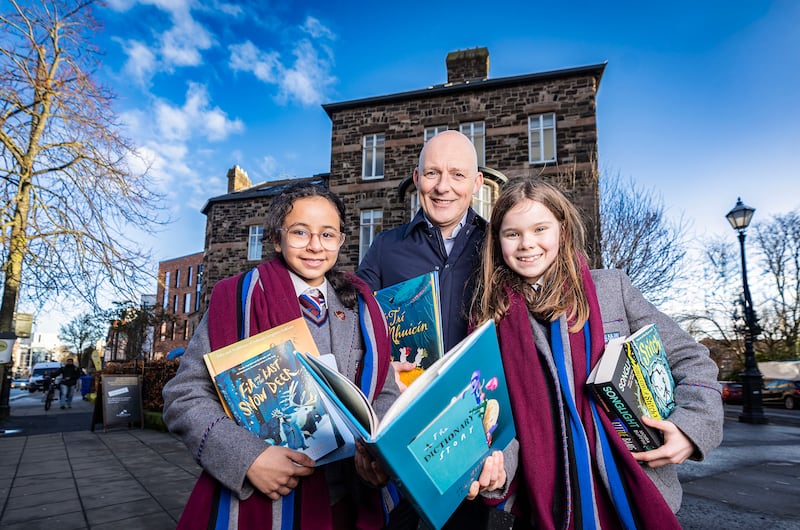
x=698, y=404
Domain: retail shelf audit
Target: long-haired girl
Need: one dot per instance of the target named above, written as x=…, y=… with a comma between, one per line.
x=553, y=318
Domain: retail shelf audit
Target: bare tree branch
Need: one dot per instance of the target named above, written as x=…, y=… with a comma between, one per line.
x=71, y=202
x=637, y=238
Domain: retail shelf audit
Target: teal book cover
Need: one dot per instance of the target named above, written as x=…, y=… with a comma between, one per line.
x=651, y=358
x=413, y=314
x=434, y=438
x=275, y=398
x=616, y=389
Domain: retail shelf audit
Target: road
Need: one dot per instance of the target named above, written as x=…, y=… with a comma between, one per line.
x=775, y=414
x=28, y=416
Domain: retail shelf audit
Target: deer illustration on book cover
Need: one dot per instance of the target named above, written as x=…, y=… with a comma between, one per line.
x=415, y=325
x=274, y=397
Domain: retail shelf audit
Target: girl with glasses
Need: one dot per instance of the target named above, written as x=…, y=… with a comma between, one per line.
x=246, y=483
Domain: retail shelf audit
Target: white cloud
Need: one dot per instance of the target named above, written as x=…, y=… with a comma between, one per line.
x=229, y=9
x=316, y=29
x=268, y=166
x=195, y=118
x=246, y=57
x=141, y=63
x=306, y=79
x=181, y=45
x=120, y=5
x=167, y=137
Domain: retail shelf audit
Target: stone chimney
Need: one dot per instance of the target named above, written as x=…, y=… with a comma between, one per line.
x=237, y=179
x=468, y=65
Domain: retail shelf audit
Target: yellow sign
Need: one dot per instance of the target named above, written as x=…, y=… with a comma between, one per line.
x=23, y=323
x=96, y=360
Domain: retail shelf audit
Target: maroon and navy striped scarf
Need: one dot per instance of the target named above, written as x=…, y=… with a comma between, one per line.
x=542, y=480
x=258, y=300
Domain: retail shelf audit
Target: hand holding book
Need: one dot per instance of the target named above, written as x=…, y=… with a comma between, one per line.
x=677, y=447
x=492, y=477
x=277, y=471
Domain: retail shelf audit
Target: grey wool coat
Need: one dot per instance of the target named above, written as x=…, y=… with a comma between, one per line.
x=698, y=409
x=698, y=404
x=193, y=412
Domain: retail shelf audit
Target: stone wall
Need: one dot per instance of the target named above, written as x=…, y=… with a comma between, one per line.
x=504, y=111
x=504, y=106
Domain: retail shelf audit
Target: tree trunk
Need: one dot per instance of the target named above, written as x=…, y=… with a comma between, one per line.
x=18, y=245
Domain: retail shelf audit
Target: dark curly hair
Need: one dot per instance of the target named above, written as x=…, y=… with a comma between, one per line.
x=280, y=208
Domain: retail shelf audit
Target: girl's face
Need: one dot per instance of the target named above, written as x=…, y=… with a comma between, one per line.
x=317, y=220
x=529, y=237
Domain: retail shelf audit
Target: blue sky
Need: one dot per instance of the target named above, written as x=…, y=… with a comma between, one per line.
x=698, y=102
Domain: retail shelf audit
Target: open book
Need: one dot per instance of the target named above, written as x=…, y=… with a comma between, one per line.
x=264, y=388
x=434, y=438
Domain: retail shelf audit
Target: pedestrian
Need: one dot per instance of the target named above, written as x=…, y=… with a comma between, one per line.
x=69, y=378
x=553, y=318
x=445, y=235
x=247, y=483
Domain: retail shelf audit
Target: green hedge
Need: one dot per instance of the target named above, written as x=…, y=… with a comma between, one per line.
x=156, y=374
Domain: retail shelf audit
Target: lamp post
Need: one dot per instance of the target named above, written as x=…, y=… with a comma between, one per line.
x=752, y=412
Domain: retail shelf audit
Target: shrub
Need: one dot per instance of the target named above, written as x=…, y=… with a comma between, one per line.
x=156, y=374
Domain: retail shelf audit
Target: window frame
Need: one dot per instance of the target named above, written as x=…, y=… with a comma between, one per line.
x=373, y=152
x=536, y=123
x=255, y=241
x=432, y=131
x=483, y=204
x=368, y=223
x=469, y=130
x=165, y=301
x=199, y=287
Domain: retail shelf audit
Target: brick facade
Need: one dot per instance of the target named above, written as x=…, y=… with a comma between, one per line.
x=503, y=105
x=185, y=279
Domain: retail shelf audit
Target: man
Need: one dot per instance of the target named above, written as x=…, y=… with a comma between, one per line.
x=69, y=377
x=445, y=235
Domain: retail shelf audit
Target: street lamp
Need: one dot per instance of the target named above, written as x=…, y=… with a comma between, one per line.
x=752, y=412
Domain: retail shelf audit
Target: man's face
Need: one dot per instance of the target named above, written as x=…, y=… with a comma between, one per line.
x=446, y=179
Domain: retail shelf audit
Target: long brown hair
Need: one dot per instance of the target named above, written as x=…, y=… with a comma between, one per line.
x=561, y=290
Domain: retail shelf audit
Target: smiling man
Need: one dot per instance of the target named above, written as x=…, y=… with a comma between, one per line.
x=445, y=235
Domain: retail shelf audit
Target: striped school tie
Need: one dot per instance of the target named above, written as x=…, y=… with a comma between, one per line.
x=312, y=303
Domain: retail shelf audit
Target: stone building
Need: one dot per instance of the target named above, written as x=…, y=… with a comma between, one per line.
x=178, y=302
x=235, y=226
x=541, y=124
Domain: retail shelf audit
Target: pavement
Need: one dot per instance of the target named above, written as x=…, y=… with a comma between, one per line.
x=130, y=478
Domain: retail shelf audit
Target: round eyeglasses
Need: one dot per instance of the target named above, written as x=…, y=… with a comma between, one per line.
x=300, y=238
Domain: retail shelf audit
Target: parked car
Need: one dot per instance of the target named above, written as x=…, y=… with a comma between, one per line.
x=731, y=391
x=22, y=384
x=781, y=391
